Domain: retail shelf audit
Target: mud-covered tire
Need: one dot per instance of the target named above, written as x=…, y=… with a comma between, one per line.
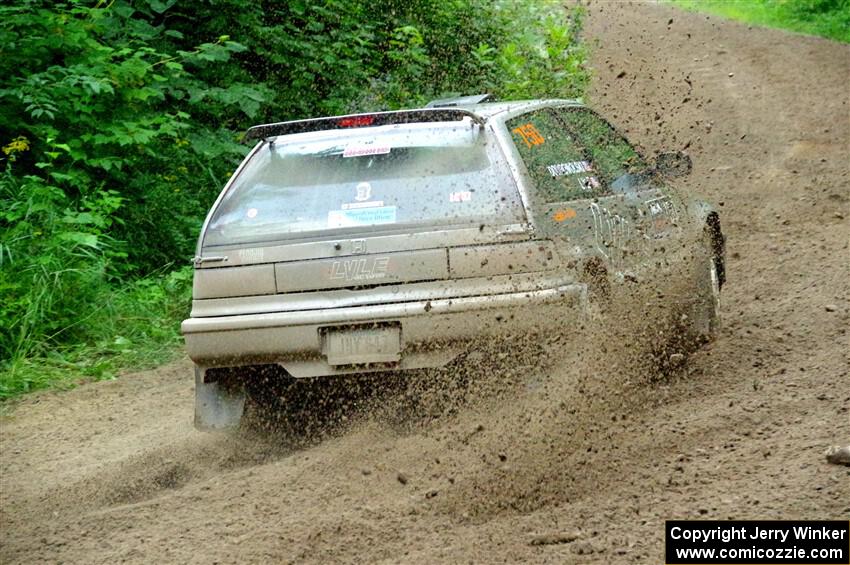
x=306, y=407
x=703, y=319
x=697, y=320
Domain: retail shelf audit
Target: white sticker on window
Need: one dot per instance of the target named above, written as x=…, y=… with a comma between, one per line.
x=461, y=196
x=361, y=217
x=571, y=168
x=364, y=150
x=371, y=204
x=364, y=192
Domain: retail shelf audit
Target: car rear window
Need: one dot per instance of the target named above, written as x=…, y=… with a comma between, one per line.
x=367, y=180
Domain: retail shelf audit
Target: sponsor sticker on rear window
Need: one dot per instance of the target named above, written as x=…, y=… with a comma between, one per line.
x=372, y=204
x=354, y=217
x=364, y=150
x=461, y=196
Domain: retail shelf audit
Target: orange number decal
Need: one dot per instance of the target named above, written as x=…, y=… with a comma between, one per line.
x=529, y=134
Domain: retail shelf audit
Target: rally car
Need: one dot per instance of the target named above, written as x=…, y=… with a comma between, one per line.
x=397, y=240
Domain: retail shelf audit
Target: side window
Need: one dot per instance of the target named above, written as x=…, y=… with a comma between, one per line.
x=614, y=159
x=560, y=167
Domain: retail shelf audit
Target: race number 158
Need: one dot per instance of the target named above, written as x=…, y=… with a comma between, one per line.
x=529, y=134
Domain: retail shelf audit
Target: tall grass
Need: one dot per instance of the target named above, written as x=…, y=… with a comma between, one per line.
x=66, y=313
x=135, y=326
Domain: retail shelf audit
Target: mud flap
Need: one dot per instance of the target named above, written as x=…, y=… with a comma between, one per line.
x=218, y=405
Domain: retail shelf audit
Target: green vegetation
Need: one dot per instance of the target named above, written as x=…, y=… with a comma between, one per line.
x=120, y=121
x=827, y=18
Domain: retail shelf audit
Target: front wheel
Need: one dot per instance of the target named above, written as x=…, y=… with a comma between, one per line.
x=704, y=320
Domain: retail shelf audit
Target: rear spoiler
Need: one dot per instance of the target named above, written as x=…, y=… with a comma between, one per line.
x=362, y=120
x=460, y=101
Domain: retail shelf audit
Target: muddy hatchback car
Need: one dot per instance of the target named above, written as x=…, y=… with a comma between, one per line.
x=398, y=240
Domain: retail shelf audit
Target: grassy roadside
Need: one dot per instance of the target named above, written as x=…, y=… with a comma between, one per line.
x=826, y=18
x=135, y=327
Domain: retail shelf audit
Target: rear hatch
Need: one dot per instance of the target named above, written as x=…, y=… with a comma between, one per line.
x=366, y=207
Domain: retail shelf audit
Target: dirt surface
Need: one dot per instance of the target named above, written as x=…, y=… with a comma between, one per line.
x=578, y=459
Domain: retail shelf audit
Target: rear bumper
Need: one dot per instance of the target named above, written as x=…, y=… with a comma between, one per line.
x=432, y=332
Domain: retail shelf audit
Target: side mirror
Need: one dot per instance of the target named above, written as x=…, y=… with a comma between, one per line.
x=673, y=164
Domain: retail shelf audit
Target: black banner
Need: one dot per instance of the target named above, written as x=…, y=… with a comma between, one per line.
x=761, y=542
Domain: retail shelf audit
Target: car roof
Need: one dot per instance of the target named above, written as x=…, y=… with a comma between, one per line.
x=478, y=112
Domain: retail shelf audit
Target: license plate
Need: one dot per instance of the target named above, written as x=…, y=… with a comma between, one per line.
x=357, y=346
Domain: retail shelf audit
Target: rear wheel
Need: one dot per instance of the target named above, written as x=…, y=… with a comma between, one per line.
x=304, y=407
x=227, y=397
x=275, y=401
